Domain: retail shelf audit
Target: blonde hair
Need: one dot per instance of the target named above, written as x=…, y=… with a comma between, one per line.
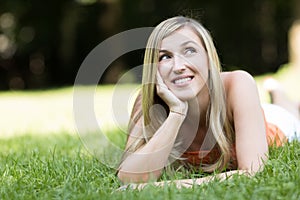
x=219, y=125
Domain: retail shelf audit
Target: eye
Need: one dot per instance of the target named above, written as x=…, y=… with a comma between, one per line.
x=189, y=50
x=164, y=57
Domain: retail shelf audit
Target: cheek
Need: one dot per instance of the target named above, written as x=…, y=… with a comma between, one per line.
x=163, y=71
x=202, y=68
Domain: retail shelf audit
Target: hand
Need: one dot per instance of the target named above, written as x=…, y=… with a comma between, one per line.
x=174, y=103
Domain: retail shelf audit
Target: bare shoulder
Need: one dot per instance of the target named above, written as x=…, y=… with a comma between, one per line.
x=239, y=85
x=231, y=79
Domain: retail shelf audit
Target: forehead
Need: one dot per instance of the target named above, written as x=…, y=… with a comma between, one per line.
x=180, y=36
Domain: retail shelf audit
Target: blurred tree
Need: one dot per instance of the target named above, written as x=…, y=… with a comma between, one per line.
x=42, y=43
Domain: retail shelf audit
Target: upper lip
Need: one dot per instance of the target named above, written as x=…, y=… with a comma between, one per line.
x=181, y=77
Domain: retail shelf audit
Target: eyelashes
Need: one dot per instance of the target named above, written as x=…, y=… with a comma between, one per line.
x=190, y=50
x=164, y=57
x=186, y=52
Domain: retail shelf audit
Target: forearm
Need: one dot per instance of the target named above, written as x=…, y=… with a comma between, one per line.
x=187, y=183
x=198, y=181
x=148, y=161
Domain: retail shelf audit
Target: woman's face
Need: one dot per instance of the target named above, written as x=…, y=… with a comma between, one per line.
x=183, y=63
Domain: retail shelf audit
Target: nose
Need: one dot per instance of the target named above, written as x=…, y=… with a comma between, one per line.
x=179, y=65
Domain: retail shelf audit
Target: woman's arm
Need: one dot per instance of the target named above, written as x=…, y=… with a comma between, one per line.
x=147, y=162
x=187, y=183
x=250, y=130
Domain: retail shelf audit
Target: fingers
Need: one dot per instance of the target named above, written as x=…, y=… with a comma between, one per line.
x=159, y=80
x=175, y=104
x=160, y=85
x=158, y=77
x=164, y=92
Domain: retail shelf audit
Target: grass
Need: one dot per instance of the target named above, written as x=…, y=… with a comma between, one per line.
x=43, y=157
x=59, y=167
x=51, y=167
x=51, y=111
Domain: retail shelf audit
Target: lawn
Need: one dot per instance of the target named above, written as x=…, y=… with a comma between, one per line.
x=43, y=156
x=57, y=166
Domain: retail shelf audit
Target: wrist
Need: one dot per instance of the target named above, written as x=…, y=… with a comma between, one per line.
x=177, y=112
x=177, y=117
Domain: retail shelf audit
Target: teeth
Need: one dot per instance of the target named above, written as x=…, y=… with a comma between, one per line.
x=183, y=80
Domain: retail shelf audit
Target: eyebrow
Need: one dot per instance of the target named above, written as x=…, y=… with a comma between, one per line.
x=183, y=44
x=187, y=42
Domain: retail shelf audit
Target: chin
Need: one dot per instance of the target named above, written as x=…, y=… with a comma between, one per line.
x=186, y=96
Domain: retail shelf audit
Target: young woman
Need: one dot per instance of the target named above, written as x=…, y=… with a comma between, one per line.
x=189, y=111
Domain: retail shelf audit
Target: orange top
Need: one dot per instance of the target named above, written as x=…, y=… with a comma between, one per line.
x=274, y=137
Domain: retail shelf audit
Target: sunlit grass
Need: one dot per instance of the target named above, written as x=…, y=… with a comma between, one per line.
x=51, y=111
x=289, y=80
x=36, y=112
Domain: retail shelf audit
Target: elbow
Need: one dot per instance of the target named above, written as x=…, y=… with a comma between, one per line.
x=123, y=177
x=256, y=164
x=252, y=169
x=129, y=177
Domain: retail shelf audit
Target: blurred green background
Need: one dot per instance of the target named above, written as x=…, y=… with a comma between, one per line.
x=43, y=43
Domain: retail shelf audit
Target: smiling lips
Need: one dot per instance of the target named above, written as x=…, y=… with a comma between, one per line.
x=182, y=80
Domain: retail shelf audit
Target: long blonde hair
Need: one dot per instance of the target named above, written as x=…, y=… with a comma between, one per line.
x=218, y=123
